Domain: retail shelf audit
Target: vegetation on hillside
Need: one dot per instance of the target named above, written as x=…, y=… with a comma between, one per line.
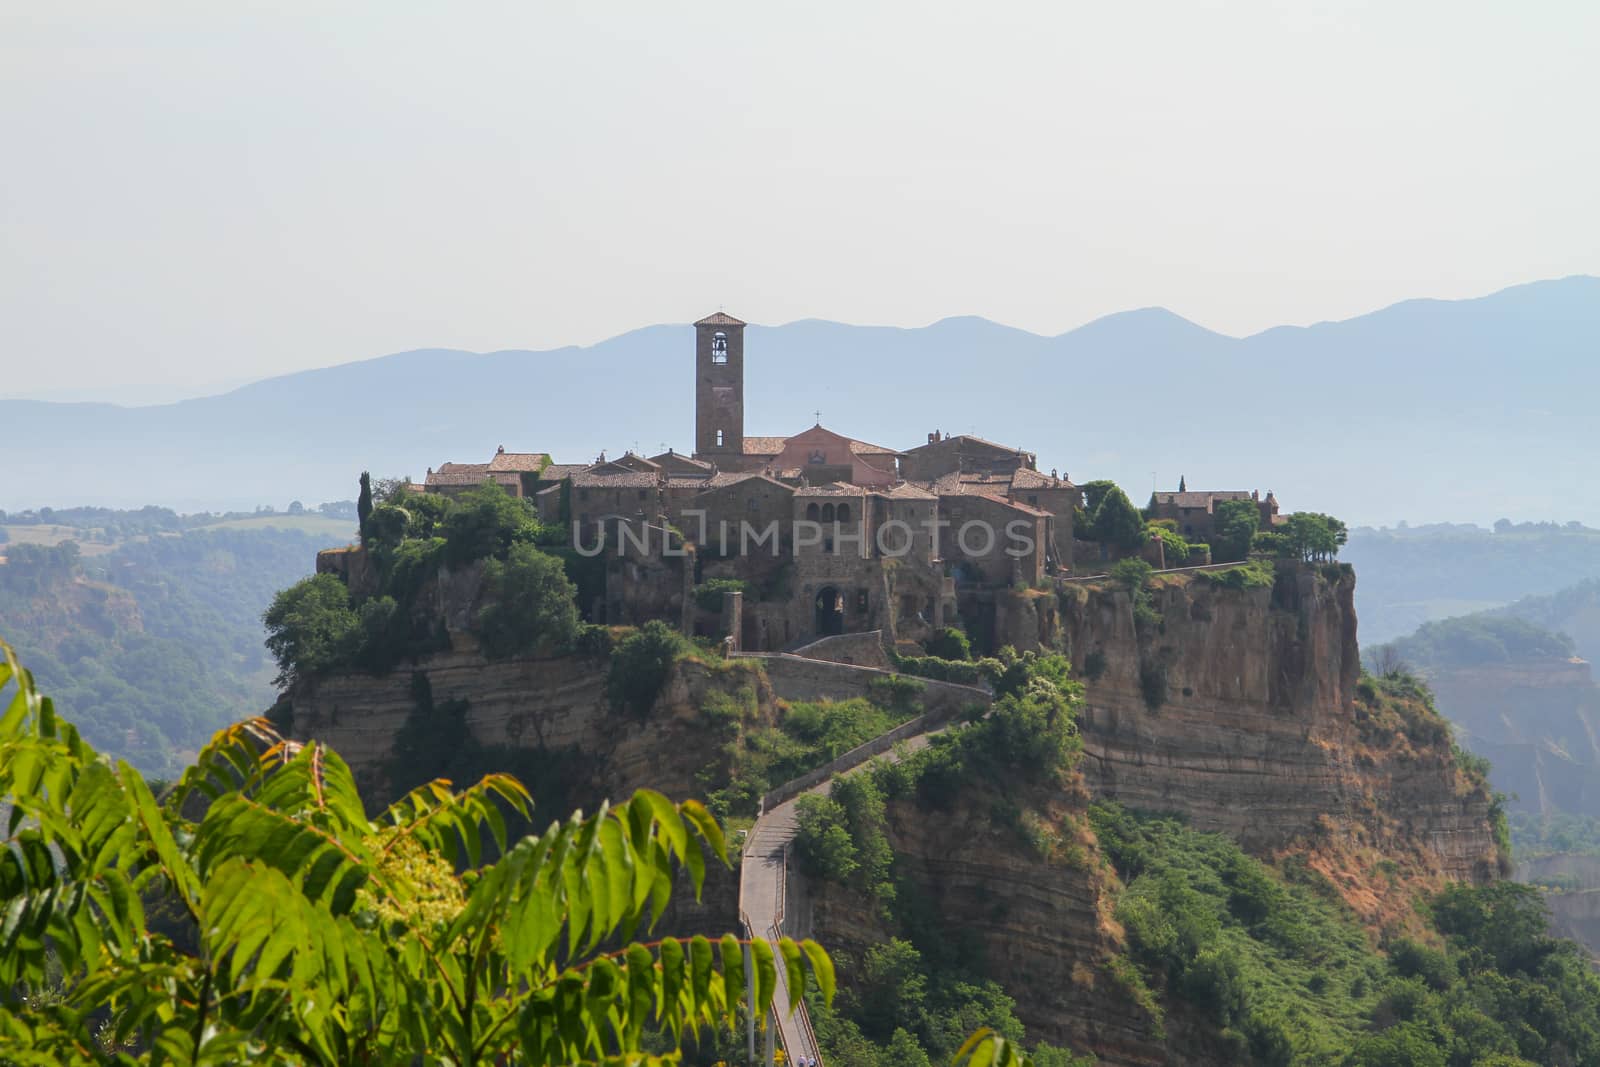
x=154, y=645
x=318, y=625
x=1410, y=575
x=906, y=1001
x=1472, y=640
x=1574, y=611
x=1272, y=958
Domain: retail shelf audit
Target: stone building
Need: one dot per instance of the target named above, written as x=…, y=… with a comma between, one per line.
x=1195, y=511
x=828, y=533
x=963, y=454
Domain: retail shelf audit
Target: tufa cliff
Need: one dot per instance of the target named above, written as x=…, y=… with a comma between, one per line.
x=1239, y=707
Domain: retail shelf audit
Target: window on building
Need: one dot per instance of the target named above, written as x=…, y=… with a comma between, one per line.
x=719, y=347
x=719, y=438
x=844, y=512
x=751, y=504
x=813, y=513
x=861, y=601
x=641, y=494
x=827, y=513
x=1033, y=498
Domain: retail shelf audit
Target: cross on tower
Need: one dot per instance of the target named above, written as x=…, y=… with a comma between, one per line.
x=819, y=416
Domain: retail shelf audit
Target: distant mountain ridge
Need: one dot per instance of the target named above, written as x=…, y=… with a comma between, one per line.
x=1429, y=409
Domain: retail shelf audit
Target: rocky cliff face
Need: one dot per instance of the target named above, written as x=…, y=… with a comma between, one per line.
x=1538, y=722
x=1042, y=925
x=557, y=704
x=1239, y=711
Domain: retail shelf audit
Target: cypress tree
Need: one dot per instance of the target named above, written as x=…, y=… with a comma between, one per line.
x=364, y=505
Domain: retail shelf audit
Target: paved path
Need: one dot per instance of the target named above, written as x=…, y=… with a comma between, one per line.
x=763, y=876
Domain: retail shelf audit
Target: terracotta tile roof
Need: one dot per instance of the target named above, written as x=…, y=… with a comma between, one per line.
x=906, y=491
x=618, y=480
x=967, y=437
x=472, y=477
x=627, y=462
x=722, y=478
x=969, y=483
x=720, y=318
x=1023, y=478
x=1017, y=505
x=522, y=462
x=721, y=481
x=463, y=468
x=994, y=493
x=862, y=448
x=559, y=471
x=678, y=459
x=1199, y=499
x=764, y=446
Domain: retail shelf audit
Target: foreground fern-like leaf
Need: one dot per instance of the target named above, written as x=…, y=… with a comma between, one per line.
x=256, y=914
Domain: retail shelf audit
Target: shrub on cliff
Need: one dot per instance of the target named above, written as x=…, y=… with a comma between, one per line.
x=823, y=843
x=1174, y=546
x=311, y=627
x=1234, y=526
x=949, y=643
x=640, y=664
x=530, y=603
x=1110, y=517
x=708, y=595
x=485, y=523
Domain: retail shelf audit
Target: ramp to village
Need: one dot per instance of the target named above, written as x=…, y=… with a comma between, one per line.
x=766, y=871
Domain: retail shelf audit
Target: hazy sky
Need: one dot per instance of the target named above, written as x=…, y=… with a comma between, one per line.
x=193, y=194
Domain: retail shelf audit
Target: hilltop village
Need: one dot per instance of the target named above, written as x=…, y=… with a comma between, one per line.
x=818, y=533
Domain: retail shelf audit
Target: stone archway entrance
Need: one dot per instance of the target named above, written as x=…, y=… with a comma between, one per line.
x=830, y=612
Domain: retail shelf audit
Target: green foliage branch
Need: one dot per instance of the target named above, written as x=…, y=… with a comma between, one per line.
x=305, y=932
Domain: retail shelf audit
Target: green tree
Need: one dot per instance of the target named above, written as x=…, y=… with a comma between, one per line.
x=485, y=523
x=530, y=602
x=300, y=931
x=1235, y=530
x=1312, y=537
x=311, y=627
x=1115, y=521
x=640, y=664
x=950, y=643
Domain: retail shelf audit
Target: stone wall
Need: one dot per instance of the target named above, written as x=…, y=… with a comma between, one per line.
x=860, y=650
x=797, y=678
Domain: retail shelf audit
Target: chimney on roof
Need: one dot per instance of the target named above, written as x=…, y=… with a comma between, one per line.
x=499, y=450
x=1255, y=494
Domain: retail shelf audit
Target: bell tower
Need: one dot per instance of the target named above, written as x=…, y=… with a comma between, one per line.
x=718, y=387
